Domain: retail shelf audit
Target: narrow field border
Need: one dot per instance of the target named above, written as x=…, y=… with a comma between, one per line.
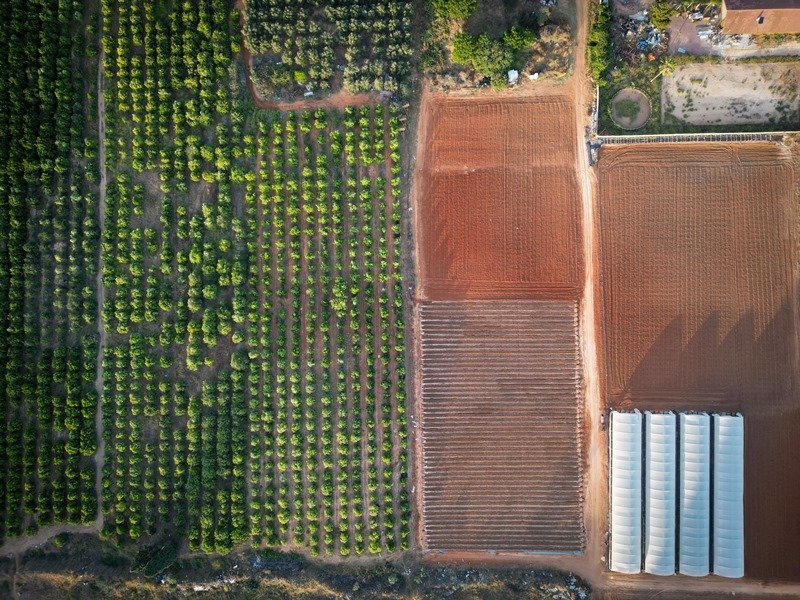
x=755, y=136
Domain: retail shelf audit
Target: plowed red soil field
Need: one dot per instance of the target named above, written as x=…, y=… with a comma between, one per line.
x=498, y=201
x=501, y=424
x=698, y=253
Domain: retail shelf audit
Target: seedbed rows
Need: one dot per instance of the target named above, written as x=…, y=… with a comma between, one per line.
x=501, y=424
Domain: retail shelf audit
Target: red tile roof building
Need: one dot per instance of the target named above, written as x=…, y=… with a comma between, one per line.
x=760, y=16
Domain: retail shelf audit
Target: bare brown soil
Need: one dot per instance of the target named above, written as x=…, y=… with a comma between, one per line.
x=498, y=199
x=501, y=414
x=699, y=303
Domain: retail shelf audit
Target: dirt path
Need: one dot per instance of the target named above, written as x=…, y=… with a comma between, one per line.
x=394, y=380
x=594, y=441
x=17, y=546
x=101, y=292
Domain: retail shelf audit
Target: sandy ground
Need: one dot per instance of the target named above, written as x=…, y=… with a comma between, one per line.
x=730, y=94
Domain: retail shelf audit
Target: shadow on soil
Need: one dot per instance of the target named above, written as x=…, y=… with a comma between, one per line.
x=748, y=368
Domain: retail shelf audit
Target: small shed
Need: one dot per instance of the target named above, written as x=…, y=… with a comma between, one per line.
x=756, y=17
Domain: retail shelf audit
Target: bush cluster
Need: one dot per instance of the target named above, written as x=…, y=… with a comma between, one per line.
x=296, y=37
x=599, y=45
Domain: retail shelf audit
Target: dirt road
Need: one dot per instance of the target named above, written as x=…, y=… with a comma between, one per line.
x=101, y=292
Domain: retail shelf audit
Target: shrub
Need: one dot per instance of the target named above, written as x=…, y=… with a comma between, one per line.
x=464, y=48
x=599, y=46
x=487, y=56
x=517, y=38
x=661, y=14
x=454, y=9
x=491, y=57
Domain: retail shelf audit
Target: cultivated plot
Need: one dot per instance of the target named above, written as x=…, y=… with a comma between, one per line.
x=501, y=426
x=697, y=259
x=498, y=202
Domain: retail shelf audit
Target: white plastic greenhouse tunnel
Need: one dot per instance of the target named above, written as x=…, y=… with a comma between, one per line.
x=659, y=513
x=665, y=469
x=626, y=492
x=728, y=496
x=695, y=495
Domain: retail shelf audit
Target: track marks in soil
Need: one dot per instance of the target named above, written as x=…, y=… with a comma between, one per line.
x=499, y=200
x=501, y=426
x=698, y=252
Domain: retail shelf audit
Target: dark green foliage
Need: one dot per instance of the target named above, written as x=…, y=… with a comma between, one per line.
x=661, y=13
x=464, y=47
x=454, y=9
x=48, y=255
x=487, y=56
x=599, y=45
x=156, y=558
x=294, y=36
x=517, y=38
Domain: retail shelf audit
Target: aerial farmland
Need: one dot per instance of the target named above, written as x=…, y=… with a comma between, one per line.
x=399, y=299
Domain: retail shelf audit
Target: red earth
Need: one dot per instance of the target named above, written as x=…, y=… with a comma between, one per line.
x=699, y=308
x=498, y=200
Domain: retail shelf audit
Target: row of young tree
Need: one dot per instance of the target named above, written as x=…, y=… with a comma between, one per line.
x=48, y=254
x=329, y=324
x=291, y=315
x=170, y=253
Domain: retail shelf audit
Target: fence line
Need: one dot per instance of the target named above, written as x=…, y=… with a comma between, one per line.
x=760, y=136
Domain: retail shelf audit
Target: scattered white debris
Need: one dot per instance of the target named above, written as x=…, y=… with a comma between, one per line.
x=513, y=77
